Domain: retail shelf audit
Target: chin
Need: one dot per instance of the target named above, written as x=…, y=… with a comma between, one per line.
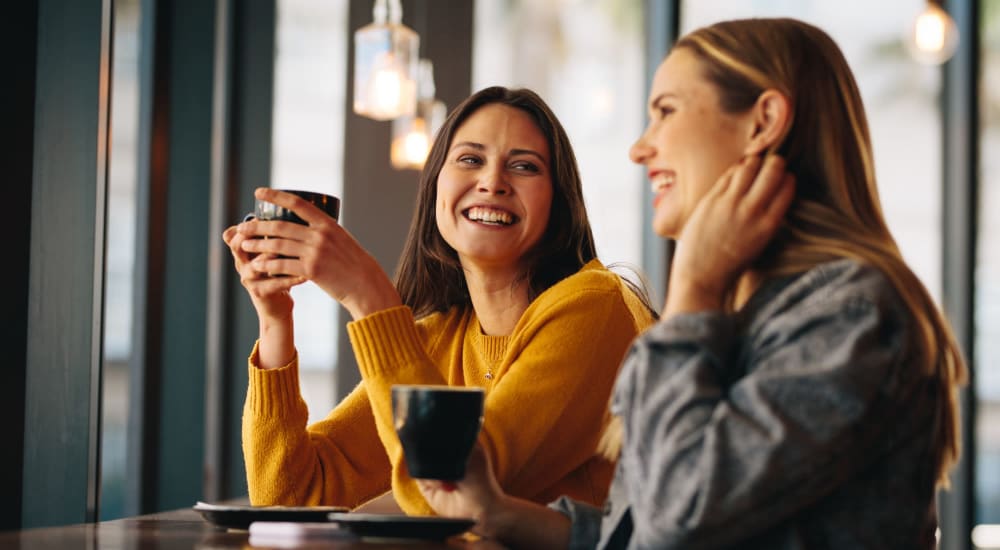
x=665, y=229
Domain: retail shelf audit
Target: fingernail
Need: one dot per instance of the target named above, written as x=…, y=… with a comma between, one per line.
x=448, y=486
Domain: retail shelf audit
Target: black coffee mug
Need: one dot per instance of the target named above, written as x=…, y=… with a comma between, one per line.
x=437, y=426
x=267, y=211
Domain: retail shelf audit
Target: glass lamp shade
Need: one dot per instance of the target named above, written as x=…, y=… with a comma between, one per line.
x=412, y=136
x=385, y=67
x=933, y=36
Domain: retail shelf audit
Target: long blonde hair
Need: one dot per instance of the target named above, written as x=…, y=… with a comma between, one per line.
x=836, y=212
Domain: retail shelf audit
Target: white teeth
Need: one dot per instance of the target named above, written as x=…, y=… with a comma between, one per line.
x=489, y=215
x=660, y=182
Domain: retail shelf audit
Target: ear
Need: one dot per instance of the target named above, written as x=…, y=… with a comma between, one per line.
x=772, y=116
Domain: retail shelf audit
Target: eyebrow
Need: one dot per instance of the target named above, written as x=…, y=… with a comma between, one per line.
x=512, y=152
x=653, y=102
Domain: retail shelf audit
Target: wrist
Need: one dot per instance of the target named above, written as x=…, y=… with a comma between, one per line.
x=688, y=296
x=275, y=346
x=373, y=303
x=495, y=519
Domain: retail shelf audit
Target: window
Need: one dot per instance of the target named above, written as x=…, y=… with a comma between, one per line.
x=585, y=59
x=309, y=99
x=900, y=99
x=987, y=277
x=120, y=258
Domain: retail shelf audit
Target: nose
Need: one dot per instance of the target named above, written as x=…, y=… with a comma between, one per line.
x=641, y=151
x=493, y=181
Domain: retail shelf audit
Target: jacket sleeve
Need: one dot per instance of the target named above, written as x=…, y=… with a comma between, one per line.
x=548, y=404
x=338, y=461
x=585, y=523
x=723, y=441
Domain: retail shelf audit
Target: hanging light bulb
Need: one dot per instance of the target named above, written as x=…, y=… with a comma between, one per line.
x=413, y=135
x=385, y=64
x=933, y=36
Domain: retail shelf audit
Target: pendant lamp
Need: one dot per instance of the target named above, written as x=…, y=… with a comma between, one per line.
x=385, y=64
x=412, y=135
x=933, y=36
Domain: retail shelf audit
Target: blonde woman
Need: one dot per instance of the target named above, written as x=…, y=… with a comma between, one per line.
x=800, y=388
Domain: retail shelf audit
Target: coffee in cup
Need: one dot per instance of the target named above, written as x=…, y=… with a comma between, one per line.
x=437, y=427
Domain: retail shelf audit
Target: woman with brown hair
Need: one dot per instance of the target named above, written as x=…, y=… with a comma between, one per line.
x=800, y=388
x=498, y=287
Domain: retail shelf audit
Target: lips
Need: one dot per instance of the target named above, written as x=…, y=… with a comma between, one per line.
x=490, y=215
x=660, y=181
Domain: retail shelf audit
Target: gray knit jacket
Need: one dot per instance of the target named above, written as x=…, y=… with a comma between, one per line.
x=797, y=423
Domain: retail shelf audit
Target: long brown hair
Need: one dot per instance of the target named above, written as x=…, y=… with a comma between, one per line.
x=836, y=212
x=430, y=278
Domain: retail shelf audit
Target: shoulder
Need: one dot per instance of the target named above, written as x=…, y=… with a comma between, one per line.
x=840, y=282
x=592, y=277
x=592, y=285
x=596, y=291
x=841, y=293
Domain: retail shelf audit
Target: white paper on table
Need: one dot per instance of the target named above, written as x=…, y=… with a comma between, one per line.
x=282, y=533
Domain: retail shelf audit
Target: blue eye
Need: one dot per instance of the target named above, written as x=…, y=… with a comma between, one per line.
x=470, y=160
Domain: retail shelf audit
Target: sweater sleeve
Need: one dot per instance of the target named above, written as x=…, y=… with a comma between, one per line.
x=713, y=455
x=338, y=461
x=547, y=406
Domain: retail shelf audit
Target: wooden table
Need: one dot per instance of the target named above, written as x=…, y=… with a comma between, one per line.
x=186, y=529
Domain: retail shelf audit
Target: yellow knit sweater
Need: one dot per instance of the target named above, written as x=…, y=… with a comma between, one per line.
x=547, y=388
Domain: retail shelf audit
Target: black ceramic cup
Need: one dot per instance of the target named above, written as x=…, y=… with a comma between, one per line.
x=267, y=211
x=437, y=426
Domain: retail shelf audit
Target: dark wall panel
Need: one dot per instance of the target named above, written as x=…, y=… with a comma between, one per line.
x=17, y=108
x=67, y=231
x=185, y=249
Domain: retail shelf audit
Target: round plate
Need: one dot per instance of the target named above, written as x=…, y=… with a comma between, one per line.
x=397, y=526
x=240, y=517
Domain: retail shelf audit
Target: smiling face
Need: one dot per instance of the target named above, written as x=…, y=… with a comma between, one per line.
x=689, y=142
x=494, y=191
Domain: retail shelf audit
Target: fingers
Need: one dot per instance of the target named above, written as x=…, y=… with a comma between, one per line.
x=262, y=286
x=769, y=180
x=742, y=175
x=271, y=228
x=229, y=233
x=782, y=199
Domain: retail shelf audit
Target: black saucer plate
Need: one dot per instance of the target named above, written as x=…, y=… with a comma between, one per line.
x=397, y=526
x=240, y=517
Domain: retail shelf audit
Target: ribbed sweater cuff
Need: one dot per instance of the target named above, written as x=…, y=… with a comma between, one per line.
x=273, y=392
x=387, y=339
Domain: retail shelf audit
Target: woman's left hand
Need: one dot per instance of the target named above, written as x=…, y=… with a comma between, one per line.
x=475, y=496
x=322, y=252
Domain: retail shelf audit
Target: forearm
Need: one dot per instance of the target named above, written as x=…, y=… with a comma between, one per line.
x=276, y=345
x=519, y=523
x=379, y=296
x=686, y=296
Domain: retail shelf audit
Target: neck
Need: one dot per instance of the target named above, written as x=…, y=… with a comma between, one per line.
x=499, y=299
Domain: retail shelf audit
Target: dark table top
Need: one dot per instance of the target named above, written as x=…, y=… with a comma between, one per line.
x=186, y=529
